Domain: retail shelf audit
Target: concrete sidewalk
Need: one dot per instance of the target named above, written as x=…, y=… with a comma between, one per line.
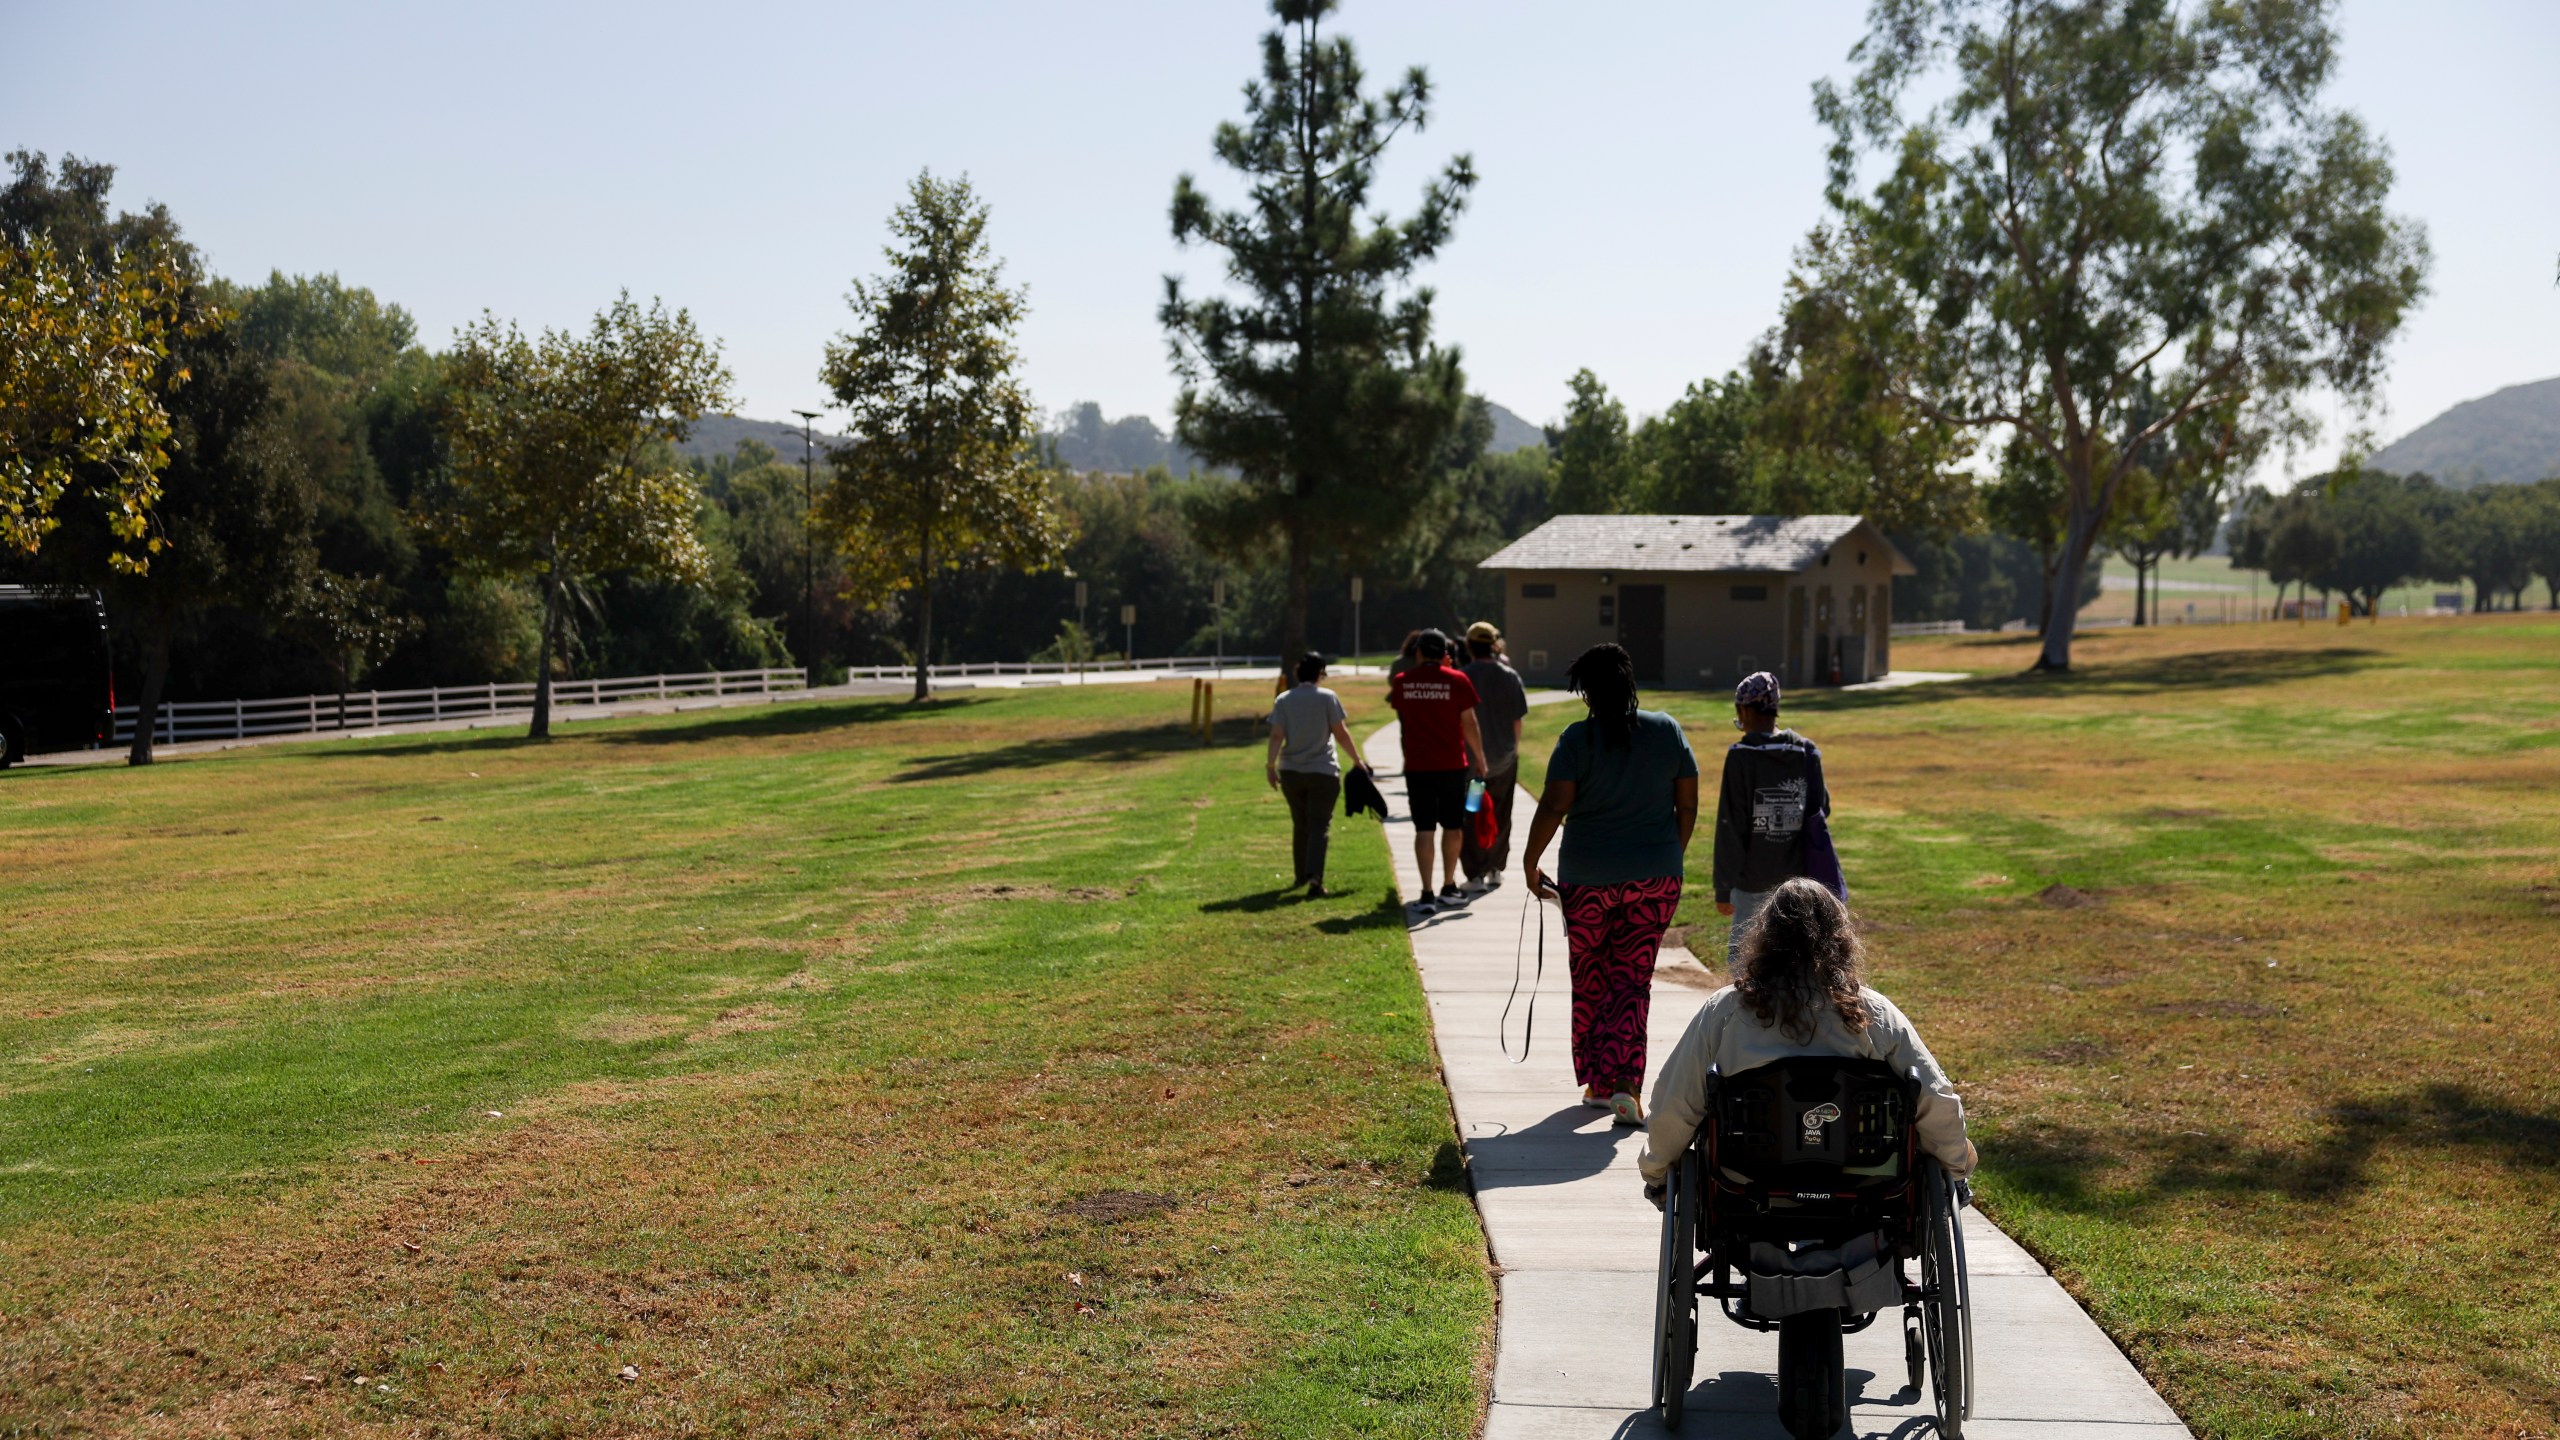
x=1575, y=1245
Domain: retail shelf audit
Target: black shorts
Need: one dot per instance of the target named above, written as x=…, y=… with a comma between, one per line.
x=1437, y=798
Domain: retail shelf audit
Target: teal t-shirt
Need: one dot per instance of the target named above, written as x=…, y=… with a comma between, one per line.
x=1622, y=826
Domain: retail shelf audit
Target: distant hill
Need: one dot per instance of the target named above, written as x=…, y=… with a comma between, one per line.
x=720, y=434
x=2505, y=438
x=1510, y=432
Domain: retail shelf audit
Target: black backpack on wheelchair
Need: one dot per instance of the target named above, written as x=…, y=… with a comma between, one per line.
x=1797, y=1209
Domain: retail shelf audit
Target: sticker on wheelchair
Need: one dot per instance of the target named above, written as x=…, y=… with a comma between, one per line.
x=1814, y=1119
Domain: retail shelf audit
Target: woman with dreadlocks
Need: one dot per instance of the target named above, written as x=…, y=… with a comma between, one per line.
x=1800, y=990
x=1624, y=786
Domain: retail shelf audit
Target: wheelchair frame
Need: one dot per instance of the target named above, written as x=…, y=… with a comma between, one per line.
x=1707, y=1231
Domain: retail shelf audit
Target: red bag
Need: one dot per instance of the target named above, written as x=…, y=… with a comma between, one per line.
x=1482, y=827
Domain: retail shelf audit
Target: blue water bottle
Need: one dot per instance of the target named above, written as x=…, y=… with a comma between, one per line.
x=1475, y=795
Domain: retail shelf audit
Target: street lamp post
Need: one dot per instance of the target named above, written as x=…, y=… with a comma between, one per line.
x=1084, y=637
x=1355, y=626
x=1218, y=604
x=808, y=546
x=1129, y=621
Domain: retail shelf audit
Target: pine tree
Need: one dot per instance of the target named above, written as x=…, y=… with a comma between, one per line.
x=1322, y=388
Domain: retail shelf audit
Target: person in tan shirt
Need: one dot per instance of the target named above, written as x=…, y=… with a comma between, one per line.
x=1799, y=991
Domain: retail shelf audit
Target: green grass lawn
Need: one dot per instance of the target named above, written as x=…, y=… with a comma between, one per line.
x=2244, y=946
x=845, y=1069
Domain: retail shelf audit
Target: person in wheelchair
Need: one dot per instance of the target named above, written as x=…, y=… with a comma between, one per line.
x=1800, y=990
x=1809, y=1157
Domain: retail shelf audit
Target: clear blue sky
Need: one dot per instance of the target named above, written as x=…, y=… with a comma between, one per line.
x=1647, y=167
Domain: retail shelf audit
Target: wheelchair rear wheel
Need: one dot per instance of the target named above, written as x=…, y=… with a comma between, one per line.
x=1946, y=1311
x=1813, y=1378
x=1675, y=1301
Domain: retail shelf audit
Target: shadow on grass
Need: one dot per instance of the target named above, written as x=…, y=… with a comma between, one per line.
x=2049, y=1166
x=2208, y=670
x=1387, y=914
x=804, y=718
x=1109, y=747
x=1255, y=903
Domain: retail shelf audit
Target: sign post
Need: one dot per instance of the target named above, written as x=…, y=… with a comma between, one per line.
x=1129, y=621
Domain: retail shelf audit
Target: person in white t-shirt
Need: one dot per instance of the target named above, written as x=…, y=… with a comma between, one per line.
x=1306, y=723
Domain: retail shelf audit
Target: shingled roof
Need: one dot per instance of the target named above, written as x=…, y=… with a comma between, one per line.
x=1773, y=544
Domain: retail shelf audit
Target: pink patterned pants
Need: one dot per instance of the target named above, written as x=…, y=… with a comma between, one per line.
x=1613, y=933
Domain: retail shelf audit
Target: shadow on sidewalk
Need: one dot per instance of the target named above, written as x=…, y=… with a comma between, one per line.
x=1563, y=1147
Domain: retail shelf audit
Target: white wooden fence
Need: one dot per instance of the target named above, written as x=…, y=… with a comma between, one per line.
x=367, y=709
x=371, y=709
x=1054, y=667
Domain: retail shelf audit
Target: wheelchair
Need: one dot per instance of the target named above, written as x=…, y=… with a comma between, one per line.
x=1797, y=1209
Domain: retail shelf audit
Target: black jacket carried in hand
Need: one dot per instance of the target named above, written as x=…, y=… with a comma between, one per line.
x=1360, y=792
x=1771, y=783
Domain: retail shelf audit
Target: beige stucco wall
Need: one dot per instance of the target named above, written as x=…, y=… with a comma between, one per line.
x=1711, y=640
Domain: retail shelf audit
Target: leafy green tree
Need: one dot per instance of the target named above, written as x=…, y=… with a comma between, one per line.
x=2302, y=543
x=559, y=467
x=1595, y=459
x=2382, y=535
x=1323, y=390
x=354, y=621
x=89, y=311
x=940, y=472
x=2542, y=536
x=2172, y=502
x=234, y=520
x=2026, y=502
x=2100, y=190
x=2491, y=537
x=226, y=523
x=1837, y=423
x=333, y=352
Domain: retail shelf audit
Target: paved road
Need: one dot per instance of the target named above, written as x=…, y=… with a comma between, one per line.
x=1575, y=1244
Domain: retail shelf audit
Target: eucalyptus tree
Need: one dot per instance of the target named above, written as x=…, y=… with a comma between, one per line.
x=1319, y=385
x=560, y=466
x=941, y=471
x=2050, y=201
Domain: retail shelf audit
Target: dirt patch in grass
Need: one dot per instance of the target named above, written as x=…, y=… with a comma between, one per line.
x=1109, y=1207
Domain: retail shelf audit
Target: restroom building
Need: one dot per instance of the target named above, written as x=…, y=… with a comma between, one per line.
x=1700, y=601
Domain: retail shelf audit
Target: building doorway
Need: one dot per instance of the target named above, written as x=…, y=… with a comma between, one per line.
x=1640, y=627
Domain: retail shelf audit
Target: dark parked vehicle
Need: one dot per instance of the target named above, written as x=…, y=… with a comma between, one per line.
x=57, y=687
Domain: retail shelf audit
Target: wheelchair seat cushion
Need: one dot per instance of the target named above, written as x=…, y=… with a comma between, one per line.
x=1861, y=1275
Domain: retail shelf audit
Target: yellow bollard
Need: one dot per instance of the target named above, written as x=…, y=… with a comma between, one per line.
x=1208, y=711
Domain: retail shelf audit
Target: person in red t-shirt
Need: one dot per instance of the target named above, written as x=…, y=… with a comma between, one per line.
x=1437, y=705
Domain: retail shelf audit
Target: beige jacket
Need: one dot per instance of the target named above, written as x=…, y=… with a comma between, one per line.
x=1725, y=1034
